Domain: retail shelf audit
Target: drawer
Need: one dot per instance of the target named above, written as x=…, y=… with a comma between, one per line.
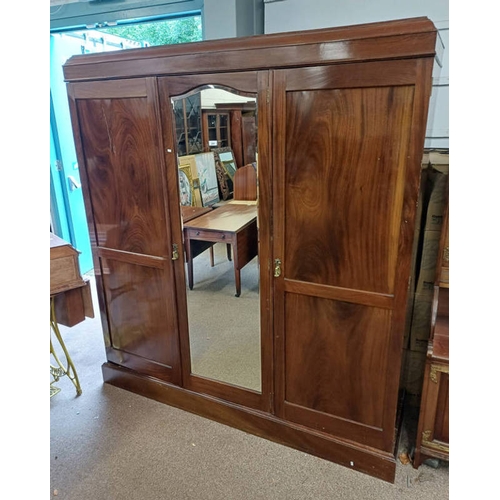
x=207, y=235
x=73, y=306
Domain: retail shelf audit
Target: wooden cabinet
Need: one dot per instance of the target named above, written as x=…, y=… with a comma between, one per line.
x=341, y=116
x=433, y=439
x=232, y=124
x=216, y=130
x=188, y=127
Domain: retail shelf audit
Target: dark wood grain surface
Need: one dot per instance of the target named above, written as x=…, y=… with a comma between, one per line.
x=334, y=353
x=342, y=211
x=264, y=424
x=126, y=188
x=433, y=437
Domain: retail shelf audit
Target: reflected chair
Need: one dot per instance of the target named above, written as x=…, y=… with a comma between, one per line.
x=245, y=184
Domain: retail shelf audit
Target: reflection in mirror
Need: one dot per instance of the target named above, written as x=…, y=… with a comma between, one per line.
x=216, y=132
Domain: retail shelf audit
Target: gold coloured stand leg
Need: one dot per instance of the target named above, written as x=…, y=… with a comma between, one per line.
x=60, y=370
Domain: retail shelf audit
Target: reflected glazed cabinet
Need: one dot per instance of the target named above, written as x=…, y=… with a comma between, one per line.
x=217, y=131
x=341, y=118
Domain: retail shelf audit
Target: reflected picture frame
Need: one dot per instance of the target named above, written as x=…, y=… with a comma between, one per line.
x=226, y=158
x=186, y=187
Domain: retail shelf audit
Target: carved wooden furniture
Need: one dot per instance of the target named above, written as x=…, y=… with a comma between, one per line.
x=235, y=225
x=70, y=304
x=341, y=123
x=225, y=164
x=433, y=439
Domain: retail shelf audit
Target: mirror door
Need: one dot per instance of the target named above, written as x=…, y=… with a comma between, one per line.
x=222, y=285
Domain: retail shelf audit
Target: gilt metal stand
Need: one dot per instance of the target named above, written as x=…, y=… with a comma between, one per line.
x=60, y=369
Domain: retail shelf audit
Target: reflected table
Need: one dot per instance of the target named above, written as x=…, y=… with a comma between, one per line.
x=233, y=224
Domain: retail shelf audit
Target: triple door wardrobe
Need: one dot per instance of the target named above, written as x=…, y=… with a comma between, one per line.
x=340, y=117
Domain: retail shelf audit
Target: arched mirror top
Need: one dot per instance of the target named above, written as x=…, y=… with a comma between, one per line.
x=208, y=113
x=216, y=128
x=243, y=84
x=213, y=93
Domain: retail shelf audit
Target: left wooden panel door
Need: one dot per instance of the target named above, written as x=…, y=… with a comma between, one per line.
x=118, y=140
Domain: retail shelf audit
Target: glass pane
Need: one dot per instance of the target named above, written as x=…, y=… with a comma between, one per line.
x=222, y=266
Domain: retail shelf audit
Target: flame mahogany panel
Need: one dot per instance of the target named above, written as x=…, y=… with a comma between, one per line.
x=334, y=354
x=137, y=314
x=343, y=210
x=121, y=158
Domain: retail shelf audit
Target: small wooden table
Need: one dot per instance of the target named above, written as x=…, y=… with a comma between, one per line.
x=233, y=224
x=70, y=304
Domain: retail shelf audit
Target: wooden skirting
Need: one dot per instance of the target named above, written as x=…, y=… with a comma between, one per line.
x=363, y=459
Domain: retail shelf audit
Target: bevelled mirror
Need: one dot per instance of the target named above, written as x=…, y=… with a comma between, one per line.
x=216, y=136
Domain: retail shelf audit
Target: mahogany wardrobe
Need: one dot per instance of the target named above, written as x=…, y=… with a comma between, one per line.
x=341, y=115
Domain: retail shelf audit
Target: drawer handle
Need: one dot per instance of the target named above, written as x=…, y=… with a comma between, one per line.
x=197, y=233
x=277, y=268
x=175, y=251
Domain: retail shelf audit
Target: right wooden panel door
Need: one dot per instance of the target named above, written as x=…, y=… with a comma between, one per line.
x=344, y=181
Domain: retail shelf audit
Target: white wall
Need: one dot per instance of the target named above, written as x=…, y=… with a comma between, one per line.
x=232, y=18
x=219, y=19
x=293, y=15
